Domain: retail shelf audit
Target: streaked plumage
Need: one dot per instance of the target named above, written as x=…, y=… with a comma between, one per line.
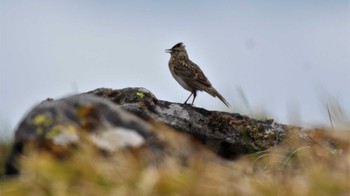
x=189, y=75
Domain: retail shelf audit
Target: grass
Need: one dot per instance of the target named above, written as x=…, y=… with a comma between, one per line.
x=318, y=167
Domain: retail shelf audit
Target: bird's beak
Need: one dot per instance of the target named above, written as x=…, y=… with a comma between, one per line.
x=168, y=50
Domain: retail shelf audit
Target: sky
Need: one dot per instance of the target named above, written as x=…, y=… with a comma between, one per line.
x=286, y=60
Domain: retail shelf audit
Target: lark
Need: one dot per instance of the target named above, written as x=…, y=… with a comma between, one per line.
x=189, y=75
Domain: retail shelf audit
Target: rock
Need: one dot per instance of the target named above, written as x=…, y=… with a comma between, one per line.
x=58, y=125
x=227, y=134
x=133, y=118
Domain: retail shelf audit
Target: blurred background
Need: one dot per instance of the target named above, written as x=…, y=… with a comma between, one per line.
x=287, y=60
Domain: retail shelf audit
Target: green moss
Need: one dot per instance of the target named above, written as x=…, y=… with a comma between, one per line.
x=140, y=94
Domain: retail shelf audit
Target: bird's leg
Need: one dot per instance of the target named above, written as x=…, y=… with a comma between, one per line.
x=188, y=98
x=194, y=96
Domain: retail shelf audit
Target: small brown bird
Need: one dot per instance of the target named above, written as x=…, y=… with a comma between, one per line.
x=189, y=75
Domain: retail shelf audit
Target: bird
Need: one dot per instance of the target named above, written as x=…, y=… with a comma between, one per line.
x=189, y=75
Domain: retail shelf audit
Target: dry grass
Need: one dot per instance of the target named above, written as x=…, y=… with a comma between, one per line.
x=319, y=167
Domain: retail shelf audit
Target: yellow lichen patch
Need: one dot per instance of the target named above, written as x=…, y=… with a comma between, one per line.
x=54, y=131
x=140, y=94
x=70, y=129
x=42, y=120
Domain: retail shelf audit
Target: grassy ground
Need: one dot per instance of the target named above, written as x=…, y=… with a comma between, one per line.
x=318, y=167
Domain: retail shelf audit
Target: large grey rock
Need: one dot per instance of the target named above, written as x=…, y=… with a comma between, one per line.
x=58, y=125
x=227, y=134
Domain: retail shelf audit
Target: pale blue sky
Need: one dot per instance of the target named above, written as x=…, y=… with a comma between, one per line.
x=288, y=57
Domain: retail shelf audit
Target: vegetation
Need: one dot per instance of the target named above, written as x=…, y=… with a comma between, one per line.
x=320, y=167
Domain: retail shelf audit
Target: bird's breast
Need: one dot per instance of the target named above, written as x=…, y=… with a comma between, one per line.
x=182, y=82
x=179, y=79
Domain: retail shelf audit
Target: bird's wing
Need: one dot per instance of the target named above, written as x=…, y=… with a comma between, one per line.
x=192, y=75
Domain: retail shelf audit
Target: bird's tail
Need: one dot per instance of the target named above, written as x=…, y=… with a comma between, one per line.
x=215, y=93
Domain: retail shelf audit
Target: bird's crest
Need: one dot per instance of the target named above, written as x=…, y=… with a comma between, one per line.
x=178, y=45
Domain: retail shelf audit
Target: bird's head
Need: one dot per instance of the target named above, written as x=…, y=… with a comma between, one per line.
x=177, y=49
